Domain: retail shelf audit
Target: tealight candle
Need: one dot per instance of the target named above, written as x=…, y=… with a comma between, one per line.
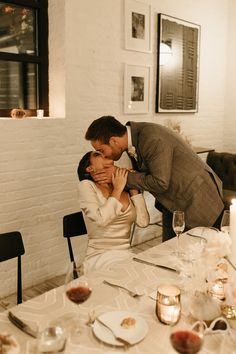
x=40, y=113
x=232, y=229
x=168, y=306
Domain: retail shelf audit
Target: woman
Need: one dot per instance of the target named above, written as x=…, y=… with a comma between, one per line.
x=109, y=210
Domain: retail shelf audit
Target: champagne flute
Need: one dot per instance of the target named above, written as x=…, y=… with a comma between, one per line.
x=77, y=289
x=224, y=225
x=187, y=339
x=178, y=224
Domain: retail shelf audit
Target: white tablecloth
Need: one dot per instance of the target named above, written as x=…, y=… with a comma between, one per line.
x=54, y=307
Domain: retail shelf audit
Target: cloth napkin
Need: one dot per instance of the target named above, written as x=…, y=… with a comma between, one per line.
x=8, y=344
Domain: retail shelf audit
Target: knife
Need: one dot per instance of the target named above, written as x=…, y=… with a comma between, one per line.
x=197, y=236
x=155, y=265
x=122, y=340
x=21, y=325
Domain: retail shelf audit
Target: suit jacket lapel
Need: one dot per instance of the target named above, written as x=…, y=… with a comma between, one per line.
x=134, y=135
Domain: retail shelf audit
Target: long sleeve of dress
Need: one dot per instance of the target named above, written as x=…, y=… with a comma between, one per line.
x=142, y=215
x=90, y=202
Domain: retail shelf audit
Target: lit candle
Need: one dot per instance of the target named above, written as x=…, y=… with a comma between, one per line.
x=217, y=289
x=168, y=304
x=232, y=229
x=40, y=113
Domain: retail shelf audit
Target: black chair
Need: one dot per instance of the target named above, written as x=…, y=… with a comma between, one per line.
x=224, y=165
x=11, y=246
x=73, y=225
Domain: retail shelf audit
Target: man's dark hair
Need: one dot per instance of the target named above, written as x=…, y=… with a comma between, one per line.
x=104, y=128
x=83, y=164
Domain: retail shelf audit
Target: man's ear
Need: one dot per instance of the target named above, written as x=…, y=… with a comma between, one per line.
x=113, y=141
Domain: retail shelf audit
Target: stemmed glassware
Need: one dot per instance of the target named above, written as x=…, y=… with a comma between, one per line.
x=178, y=224
x=77, y=288
x=224, y=225
x=187, y=339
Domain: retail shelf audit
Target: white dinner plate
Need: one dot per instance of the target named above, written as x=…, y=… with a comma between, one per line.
x=114, y=319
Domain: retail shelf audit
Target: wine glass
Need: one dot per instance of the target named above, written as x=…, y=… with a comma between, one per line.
x=186, y=338
x=224, y=225
x=77, y=289
x=178, y=224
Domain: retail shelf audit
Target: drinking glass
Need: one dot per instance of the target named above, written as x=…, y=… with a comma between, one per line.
x=77, y=289
x=224, y=225
x=187, y=339
x=178, y=224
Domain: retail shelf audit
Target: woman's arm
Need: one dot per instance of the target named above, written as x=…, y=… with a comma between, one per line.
x=93, y=205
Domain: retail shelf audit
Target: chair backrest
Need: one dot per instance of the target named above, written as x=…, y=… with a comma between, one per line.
x=73, y=225
x=11, y=246
x=224, y=165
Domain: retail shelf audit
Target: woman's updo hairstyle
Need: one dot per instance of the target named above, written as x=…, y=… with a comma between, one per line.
x=83, y=164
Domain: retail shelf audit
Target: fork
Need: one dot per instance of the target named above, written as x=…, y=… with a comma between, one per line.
x=130, y=292
x=91, y=319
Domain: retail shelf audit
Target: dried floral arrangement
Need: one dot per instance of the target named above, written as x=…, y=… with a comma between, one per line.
x=205, y=263
x=176, y=127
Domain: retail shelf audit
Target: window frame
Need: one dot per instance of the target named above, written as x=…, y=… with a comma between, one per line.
x=40, y=58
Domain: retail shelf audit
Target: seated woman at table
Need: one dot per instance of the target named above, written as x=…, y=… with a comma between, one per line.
x=109, y=210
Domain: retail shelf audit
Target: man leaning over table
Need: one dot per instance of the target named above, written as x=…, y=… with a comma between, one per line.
x=165, y=165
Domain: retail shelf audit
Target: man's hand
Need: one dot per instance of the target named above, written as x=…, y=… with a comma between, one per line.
x=133, y=192
x=105, y=175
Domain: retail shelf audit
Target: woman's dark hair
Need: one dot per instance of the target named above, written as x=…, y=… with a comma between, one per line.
x=104, y=128
x=83, y=164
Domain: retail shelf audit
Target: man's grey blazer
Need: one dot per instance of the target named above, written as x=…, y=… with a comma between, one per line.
x=176, y=176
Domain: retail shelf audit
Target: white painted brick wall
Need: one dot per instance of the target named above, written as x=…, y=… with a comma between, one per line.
x=38, y=181
x=230, y=105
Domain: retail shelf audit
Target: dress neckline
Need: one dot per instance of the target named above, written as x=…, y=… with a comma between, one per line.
x=128, y=207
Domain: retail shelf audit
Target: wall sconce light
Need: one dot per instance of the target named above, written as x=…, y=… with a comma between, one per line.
x=165, y=53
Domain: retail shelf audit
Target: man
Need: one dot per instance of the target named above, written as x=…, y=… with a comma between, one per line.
x=165, y=165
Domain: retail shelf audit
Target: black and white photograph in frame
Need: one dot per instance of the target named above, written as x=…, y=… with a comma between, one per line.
x=136, y=89
x=137, y=26
x=178, y=65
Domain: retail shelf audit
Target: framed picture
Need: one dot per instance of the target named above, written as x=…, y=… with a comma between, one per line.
x=177, y=65
x=137, y=26
x=136, y=89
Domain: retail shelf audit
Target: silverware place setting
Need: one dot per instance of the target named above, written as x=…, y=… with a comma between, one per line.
x=130, y=292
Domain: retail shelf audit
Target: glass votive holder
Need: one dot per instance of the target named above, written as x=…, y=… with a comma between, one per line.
x=40, y=113
x=168, y=306
x=216, y=289
x=51, y=339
